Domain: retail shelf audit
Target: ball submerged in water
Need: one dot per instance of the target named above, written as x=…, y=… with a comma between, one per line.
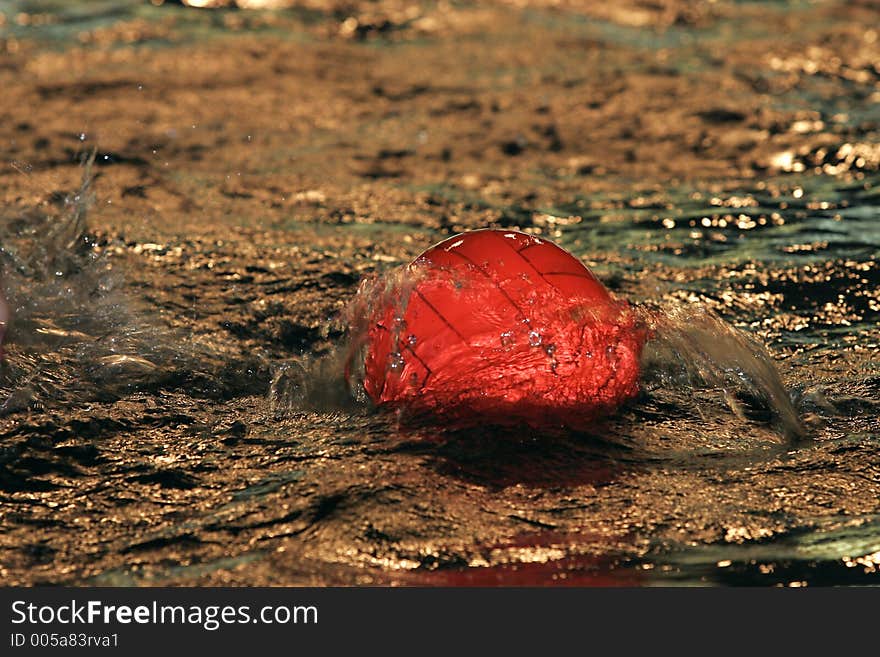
x=498, y=327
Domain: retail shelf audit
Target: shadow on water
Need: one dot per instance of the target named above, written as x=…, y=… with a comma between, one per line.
x=500, y=457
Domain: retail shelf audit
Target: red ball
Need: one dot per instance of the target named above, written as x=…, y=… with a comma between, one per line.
x=497, y=327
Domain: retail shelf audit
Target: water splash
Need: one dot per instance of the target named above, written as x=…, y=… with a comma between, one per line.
x=312, y=382
x=73, y=331
x=333, y=380
x=692, y=351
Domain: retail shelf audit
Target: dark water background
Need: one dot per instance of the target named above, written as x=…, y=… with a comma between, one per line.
x=150, y=435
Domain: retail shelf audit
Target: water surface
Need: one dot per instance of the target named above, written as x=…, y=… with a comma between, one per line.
x=162, y=419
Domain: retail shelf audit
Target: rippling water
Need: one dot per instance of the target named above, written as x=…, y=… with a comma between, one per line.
x=164, y=395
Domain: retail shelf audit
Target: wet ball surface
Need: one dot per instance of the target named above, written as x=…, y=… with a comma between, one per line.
x=502, y=327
